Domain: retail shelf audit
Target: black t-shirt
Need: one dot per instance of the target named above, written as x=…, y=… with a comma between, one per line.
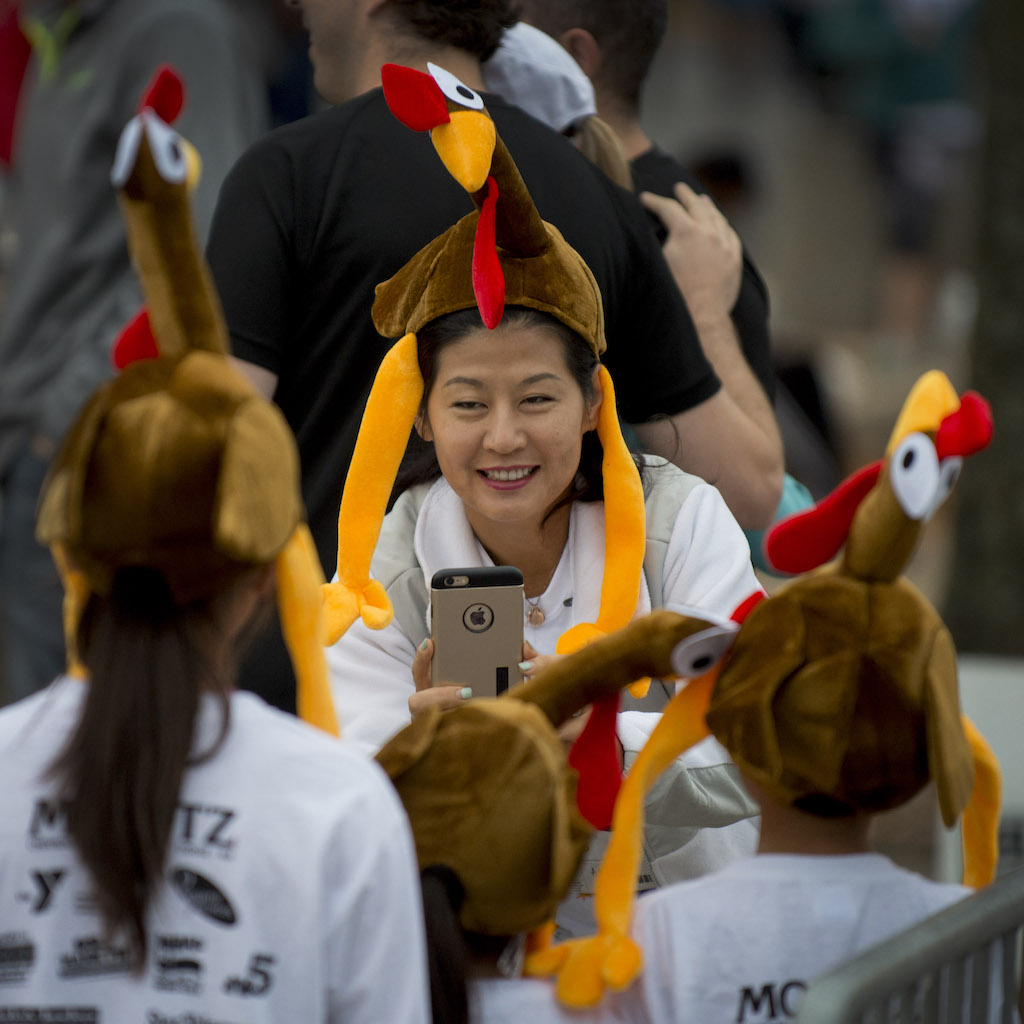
x=318, y=212
x=655, y=171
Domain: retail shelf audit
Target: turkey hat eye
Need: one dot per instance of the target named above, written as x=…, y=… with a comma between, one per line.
x=914, y=474
x=165, y=145
x=454, y=89
x=127, y=151
x=699, y=653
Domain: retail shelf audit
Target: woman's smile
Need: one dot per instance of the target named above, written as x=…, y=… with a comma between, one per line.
x=507, y=478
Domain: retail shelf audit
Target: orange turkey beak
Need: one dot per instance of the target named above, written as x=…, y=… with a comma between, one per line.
x=465, y=145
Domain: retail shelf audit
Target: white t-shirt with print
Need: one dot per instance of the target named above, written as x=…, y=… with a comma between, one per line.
x=741, y=946
x=291, y=891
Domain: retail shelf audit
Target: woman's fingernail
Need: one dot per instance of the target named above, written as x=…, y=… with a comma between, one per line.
x=466, y=692
x=525, y=666
x=423, y=646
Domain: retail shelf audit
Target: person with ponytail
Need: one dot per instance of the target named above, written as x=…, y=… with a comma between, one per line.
x=171, y=848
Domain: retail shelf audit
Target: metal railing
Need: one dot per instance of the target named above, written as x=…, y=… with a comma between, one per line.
x=961, y=965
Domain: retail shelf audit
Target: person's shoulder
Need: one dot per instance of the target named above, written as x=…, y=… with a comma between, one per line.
x=550, y=162
x=293, y=752
x=661, y=473
x=667, y=488
x=323, y=128
x=62, y=697
x=691, y=891
x=655, y=171
x=930, y=892
x=395, y=553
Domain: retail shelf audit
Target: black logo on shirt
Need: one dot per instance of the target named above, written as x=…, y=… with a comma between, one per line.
x=49, y=1015
x=178, y=967
x=91, y=956
x=202, y=895
x=49, y=824
x=256, y=981
x=17, y=956
x=188, y=1017
x=773, y=1001
x=45, y=883
x=204, y=830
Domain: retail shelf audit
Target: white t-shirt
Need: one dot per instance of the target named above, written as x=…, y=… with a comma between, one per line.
x=526, y=1001
x=291, y=891
x=741, y=946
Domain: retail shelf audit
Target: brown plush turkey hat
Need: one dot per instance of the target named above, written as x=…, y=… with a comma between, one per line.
x=841, y=690
x=177, y=464
x=487, y=787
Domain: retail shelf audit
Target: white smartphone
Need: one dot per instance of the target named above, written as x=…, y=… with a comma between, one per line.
x=476, y=622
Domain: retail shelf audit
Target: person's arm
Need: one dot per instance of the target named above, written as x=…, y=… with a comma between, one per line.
x=731, y=439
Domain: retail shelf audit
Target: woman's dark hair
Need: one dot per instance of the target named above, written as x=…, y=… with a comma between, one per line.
x=121, y=769
x=447, y=955
x=420, y=462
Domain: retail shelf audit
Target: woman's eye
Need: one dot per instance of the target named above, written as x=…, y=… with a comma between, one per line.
x=538, y=399
x=467, y=405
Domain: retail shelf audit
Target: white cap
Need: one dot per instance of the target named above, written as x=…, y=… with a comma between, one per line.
x=531, y=70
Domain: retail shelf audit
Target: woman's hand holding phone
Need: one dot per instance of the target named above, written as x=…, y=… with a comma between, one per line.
x=426, y=696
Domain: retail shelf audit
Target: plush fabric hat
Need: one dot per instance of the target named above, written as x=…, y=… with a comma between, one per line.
x=858, y=702
x=841, y=689
x=501, y=253
x=178, y=464
x=488, y=789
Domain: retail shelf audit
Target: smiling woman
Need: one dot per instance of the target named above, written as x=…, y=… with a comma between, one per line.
x=497, y=369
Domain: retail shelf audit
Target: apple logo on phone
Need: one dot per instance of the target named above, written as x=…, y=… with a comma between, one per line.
x=478, y=618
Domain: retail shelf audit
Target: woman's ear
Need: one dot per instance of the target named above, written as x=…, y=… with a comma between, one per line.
x=593, y=410
x=422, y=425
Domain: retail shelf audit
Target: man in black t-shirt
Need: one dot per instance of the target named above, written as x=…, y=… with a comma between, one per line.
x=319, y=212
x=614, y=42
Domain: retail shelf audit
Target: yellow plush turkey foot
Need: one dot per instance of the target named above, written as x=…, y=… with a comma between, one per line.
x=588, y=967
x=344, y=604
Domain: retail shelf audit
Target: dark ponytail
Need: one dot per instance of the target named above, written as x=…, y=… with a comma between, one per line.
x=121, y=769
x=447, y=956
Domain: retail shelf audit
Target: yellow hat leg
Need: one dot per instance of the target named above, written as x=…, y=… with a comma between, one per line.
x=980, y=823
x=387, y=421
x=299, y=579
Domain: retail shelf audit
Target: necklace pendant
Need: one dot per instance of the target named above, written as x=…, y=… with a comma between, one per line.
x=534, y=616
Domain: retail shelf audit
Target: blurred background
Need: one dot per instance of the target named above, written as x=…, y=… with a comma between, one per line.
x=871, y=155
